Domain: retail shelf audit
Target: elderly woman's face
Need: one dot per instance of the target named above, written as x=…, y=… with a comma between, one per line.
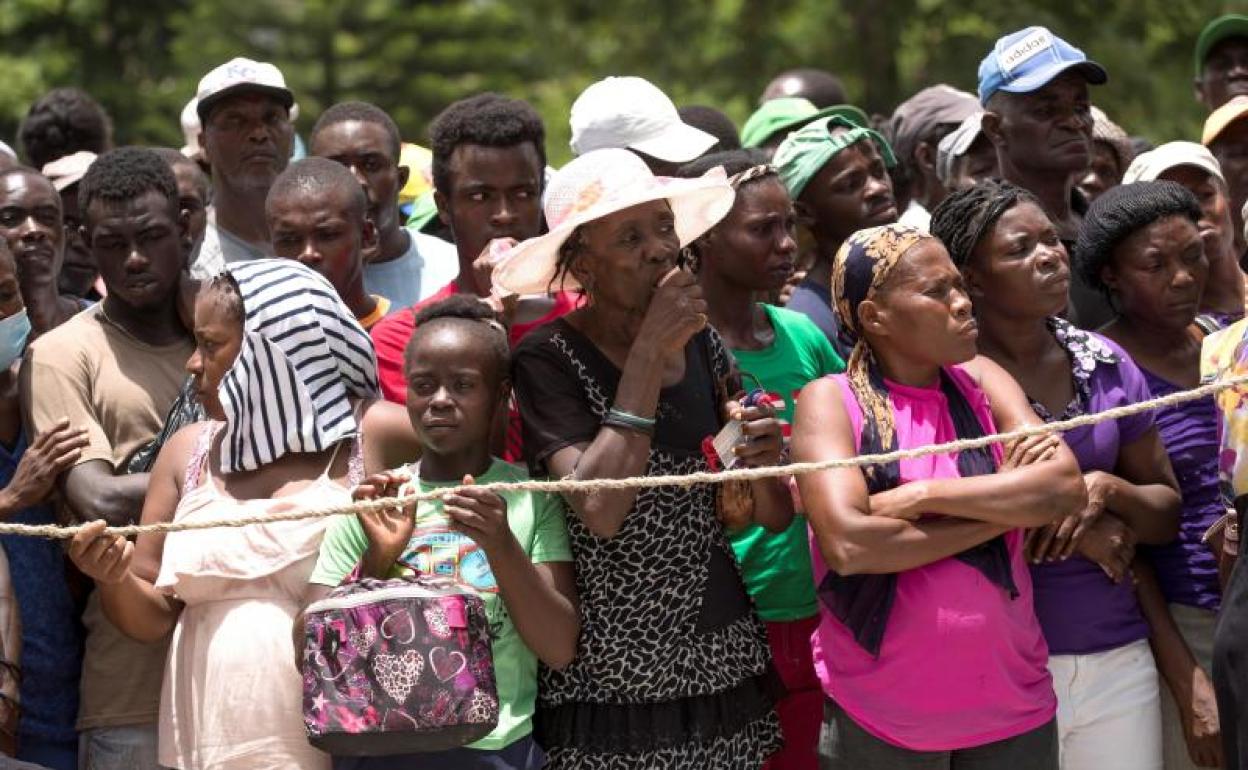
x=1020, y=268
x=1159, y=272
x=623, y=255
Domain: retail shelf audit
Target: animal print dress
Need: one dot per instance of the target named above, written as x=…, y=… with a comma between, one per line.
x=672, y=667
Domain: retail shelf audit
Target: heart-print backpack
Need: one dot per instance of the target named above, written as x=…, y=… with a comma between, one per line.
x=398, y=666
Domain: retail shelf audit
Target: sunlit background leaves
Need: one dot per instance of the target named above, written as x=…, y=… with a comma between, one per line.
x=142, y=59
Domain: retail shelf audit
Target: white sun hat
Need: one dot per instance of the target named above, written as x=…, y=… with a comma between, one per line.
x=600, y=183
x=632, y=112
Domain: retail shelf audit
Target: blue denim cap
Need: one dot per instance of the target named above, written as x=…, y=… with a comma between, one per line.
x=1028, y=60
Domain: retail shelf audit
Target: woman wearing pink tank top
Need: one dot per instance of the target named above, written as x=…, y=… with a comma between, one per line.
x=928, y=648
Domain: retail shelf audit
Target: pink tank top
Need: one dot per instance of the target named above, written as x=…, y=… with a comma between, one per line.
x=962, y=664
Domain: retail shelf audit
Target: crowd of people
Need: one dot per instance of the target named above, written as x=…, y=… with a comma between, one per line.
x=253, y=324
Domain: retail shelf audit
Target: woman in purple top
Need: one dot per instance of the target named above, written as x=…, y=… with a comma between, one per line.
x=1018, y=276
x=1142, y=245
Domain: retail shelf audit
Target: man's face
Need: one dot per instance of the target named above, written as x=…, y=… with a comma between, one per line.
x=138, y=245
x=367, y=150
x=1231, y=150
x=30, y=221
x=323, y=231
x=247, y=140
x=979, y=163
x=1048, y=130
x=191, y=197
x=851, y=191
x=1225, y=74
x=496, y=192
x=78, y=271
x=1103, y=172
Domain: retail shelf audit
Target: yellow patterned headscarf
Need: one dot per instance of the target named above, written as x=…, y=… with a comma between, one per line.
x=860, y=267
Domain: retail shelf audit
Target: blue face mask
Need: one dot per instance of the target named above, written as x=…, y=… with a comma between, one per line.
x=14, y=331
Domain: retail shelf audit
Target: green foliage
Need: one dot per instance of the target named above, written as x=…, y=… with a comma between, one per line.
x=142, y=60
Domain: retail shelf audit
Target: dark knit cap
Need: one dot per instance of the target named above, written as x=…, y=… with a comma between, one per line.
x=1121, y=211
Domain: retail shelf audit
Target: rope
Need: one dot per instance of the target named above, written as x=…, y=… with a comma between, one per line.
x=640, y=482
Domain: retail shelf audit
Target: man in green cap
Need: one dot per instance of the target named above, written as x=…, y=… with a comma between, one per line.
x=837, y=174
x=1222, y=61
x=775, y=119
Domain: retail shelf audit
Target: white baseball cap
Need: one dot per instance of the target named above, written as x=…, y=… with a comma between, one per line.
x=240, y=74
x=1148, y=166
x=68, y=171
x=632, y=113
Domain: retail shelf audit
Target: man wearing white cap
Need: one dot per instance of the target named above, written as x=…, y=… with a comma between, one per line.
x=245, y=110
x=79, y=276
x=633, y=114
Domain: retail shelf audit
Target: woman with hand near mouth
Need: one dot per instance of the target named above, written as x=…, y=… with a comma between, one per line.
x=1142, y=246
x=750, y=253
x=1017, y=273
x=671, y=655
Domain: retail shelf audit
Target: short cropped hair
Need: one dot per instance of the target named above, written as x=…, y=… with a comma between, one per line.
x=124, y=174
x=319, y=175
x=487, y=119
x=364, y=113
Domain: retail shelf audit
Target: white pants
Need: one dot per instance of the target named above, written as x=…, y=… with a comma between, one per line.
x=1108, y=709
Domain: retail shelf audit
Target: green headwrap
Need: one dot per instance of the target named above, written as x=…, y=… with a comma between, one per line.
x=424, y=209
x=800, y=156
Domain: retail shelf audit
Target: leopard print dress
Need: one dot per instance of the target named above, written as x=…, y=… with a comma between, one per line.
x=672, y=667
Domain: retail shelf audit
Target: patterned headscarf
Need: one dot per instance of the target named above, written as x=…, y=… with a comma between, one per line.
x=860, y=268
x=303, y=356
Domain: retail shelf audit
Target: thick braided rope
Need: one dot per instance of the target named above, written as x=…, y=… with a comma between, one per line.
x=639, y=482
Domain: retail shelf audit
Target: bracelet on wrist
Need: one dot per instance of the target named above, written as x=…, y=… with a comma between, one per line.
x=618, y=418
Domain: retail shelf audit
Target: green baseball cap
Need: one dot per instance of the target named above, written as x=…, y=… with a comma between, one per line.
x=1221, y=28
x=789, y=113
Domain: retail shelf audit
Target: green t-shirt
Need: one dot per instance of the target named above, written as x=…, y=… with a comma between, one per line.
x=776, y=567
x=536, y=519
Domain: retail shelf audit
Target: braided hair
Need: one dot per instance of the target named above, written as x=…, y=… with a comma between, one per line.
x=962, y=219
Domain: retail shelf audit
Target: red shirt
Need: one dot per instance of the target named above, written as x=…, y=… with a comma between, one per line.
x=390, y=336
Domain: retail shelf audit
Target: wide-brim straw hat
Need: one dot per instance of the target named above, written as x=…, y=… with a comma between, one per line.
x=595, y=185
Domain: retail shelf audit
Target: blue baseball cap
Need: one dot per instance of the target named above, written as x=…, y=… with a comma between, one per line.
x=1027, y=60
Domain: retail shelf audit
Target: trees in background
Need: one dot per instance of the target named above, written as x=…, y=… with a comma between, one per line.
x=142, y=60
